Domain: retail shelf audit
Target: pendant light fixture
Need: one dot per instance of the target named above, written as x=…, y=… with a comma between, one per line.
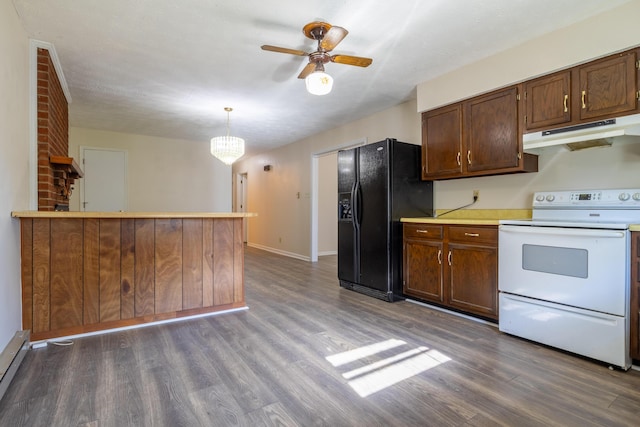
x=319, y=82
x=227, y=148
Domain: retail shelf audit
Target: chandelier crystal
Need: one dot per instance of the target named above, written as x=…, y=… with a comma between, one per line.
x=227, y=148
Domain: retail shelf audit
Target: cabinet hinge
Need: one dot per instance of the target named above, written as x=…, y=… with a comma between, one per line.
x=638, y=95
x=638, y=64
x=519, y=155
x=518, y=97
x=525, y=119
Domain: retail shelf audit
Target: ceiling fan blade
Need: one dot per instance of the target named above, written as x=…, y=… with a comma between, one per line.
x=332, y=38
x=284, y=50
x=310, y=68
x=352, y=60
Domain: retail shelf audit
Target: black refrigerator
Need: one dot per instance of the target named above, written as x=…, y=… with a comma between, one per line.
x=377, y=185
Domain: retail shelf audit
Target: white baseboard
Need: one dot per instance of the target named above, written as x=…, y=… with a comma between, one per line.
x=326, y=253
x=11, y=357
x=279, y=252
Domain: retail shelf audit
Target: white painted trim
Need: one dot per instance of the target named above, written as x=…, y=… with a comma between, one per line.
x=43, y=343
x=325, y=253
x=314, y=189
x=278, y=251
x=35, y=44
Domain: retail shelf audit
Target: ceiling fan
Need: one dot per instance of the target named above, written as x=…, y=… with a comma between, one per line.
x=318, y=82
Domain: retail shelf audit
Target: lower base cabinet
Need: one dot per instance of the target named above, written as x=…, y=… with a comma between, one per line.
x=454, y=266
x=635, y=296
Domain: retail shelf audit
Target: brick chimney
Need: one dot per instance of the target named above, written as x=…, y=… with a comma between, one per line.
x=53, y=135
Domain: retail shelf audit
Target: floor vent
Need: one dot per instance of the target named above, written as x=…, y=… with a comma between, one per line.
x=11, y=357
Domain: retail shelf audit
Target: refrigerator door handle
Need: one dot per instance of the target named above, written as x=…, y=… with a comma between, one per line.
x=356, y=205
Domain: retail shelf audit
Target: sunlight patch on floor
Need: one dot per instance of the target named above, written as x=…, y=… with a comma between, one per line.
x=378, y=375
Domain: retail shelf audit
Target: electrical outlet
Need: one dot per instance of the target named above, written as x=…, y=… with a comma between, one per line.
x=476, y=195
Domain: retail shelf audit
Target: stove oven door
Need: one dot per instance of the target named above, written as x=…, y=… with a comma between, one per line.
x=567, y=288
x=578, y=267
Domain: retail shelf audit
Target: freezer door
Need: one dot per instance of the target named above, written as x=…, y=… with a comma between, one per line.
x=348, y=236
x=373, y=213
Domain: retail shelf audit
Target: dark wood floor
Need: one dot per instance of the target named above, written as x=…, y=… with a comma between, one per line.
x=308, y=353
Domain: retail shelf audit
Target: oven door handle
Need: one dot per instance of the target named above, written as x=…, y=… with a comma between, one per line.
x=560, y=231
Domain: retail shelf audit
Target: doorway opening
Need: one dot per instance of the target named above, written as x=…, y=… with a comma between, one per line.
x=320, y=163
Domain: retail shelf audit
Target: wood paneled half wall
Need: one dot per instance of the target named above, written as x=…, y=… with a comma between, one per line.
x=85, y=273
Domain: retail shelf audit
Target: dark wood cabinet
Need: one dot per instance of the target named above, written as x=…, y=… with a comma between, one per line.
x=635, y=296
x=453, y=266
x=601, y=89
x=608, y=87
x=423, y=267
x=472, y=257
x=442, y=142
x=479, y=136
x=548, y=101
x=491, y=134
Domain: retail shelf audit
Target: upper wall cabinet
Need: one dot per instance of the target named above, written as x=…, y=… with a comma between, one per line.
x=547, y=101
x=609, y=87
x=600, y=89
x=479, y=136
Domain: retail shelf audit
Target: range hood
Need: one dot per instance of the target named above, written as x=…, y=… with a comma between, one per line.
x=594, y=134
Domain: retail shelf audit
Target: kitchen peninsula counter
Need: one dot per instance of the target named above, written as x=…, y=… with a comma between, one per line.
x=91, y=271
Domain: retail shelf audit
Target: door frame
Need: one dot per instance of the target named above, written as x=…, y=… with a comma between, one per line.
x=241, y=201
x=315, y=158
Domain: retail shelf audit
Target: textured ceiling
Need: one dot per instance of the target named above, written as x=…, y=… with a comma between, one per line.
x=168, y=68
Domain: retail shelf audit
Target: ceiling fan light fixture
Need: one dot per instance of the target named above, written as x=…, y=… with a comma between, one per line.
x=227, y=148
x=319, y=83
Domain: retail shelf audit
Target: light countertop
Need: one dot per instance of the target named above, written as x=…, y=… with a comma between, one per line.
x=472, y=216
x=49, y=214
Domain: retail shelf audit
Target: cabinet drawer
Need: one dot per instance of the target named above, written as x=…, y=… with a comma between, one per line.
x=423, y=231
x=471, y=235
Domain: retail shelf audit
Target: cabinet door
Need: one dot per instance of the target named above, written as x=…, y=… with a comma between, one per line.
x=442, y=142
x=473, y=279
x=635, y=295
x=492, y=137
x=547, y=101
x=608, y=87
x=423, y=270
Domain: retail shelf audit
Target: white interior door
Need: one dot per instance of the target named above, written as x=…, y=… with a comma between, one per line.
x=105, y=180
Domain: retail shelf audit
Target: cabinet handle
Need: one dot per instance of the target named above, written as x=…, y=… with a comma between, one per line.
x=458, y=158
x=472, y=234
x=440, y=256
x=449, y=258
x=422, y=231
x=566, y=103
x=469, y=157
x=584, y=96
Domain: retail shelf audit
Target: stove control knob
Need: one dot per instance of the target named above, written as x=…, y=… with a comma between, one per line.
x=624, y=197
x=636, y=197
x=539, y=198
x=550, y=198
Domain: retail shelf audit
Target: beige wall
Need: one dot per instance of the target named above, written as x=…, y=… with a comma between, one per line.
x=162, y=174
x=284, y=222
x=609, y=32
x=14, y=162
